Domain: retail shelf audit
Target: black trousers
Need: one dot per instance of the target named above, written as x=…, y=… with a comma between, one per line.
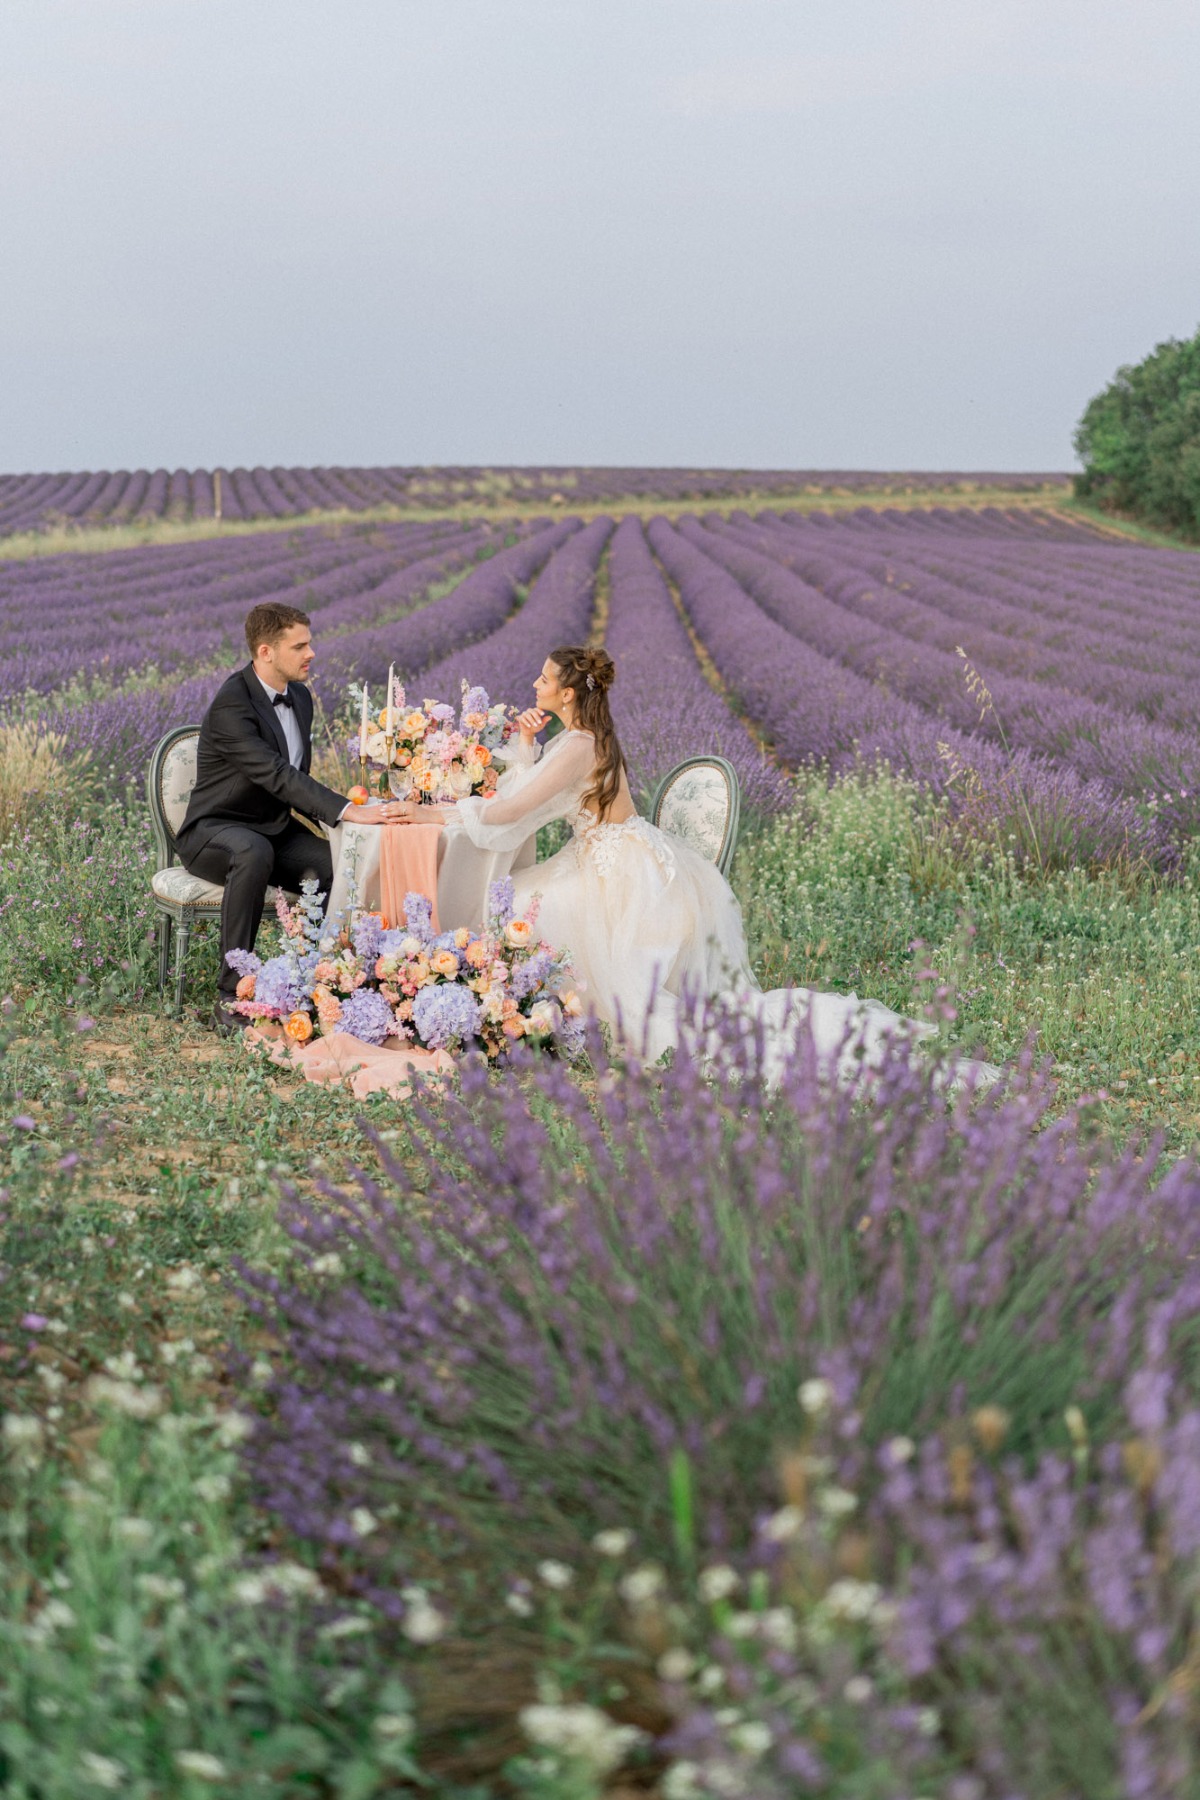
x=247, y=863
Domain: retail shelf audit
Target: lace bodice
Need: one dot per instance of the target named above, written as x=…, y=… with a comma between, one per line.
x=604, y=844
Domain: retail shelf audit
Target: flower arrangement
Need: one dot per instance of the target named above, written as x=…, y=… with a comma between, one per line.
x=442, y=758
x=453, y=990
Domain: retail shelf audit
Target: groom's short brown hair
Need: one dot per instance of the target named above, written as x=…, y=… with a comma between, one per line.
x=267, y=622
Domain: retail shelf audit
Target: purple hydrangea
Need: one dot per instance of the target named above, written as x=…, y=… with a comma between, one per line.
x=500, y=902
x=418, y=910
x=445, y=1016
x=277, y=985
x=442, y=713
x=244, y=961
x=367, y=1016
x=367, y=931
x=532, y=974
x=475, y=700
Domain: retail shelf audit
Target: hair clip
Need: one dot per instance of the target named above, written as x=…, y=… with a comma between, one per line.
x=591, y=681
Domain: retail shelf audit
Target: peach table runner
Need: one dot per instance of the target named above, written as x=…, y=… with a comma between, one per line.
x=408, y=864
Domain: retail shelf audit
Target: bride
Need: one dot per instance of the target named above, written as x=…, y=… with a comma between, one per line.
x=649, y=922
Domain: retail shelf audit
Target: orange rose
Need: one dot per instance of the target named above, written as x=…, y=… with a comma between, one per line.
x=245, y=988
x=518, y=932
x=298, y=1028
x=481, y=754
x=514, y=1026
x=444, y=962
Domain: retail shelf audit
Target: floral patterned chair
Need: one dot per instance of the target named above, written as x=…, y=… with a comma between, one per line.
x=701, y=800
x=180, y=900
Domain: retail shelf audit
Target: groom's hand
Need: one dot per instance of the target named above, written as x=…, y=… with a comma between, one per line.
x=377, y=812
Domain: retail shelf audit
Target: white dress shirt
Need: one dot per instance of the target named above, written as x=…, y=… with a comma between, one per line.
x=287, y=718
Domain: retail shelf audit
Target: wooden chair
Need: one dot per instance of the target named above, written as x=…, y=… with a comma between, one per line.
x=181, y=901
x=701, y=800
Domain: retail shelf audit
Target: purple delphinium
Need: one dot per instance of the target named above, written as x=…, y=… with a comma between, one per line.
x=500, y=902
x=367, y=934
x=418, y=910
x=366, y=1015
x=244, y=961
x=445, y=1017
x=277, y=985
x=533, y=973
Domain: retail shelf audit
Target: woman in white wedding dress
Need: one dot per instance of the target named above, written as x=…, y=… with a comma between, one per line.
x=650, y=924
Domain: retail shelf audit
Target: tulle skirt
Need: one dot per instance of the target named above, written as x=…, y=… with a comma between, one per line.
x=652, y=927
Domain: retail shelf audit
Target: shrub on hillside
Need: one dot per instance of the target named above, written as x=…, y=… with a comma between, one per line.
x=1139, y=440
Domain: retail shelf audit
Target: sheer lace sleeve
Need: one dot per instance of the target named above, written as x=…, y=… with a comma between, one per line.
x=517, y=754
x=529, y=798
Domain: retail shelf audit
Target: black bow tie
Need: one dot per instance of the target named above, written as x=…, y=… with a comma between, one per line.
x=283, y=700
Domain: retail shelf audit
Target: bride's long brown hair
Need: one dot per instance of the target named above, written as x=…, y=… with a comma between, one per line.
x=591, y=673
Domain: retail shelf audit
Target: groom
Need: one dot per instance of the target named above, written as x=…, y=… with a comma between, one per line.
x=252, y=766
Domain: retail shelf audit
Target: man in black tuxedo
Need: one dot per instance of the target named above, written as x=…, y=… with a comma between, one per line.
x=252, y=766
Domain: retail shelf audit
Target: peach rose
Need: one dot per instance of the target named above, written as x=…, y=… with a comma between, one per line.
x=462, y=937
x=478, y=954
x=418, y=973
x=325, y=971
x=444, y=962
x=572, y=1005
x=482, y=755
x=514, y=1026
x=518, y=932
x=245, y=987
x=298, y=1027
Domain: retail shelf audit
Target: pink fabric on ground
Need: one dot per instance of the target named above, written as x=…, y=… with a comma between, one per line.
x=341, y=1060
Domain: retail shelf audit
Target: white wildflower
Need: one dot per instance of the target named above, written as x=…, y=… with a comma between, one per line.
x=581, y=1732
x=211, y=1488
x=363, y=1521
x=518, y=1603
x=281, y=1578
x=717, y=1582
x=682, y=1782
x=422, y=1622
x=53, y=1380
x=54, y=1616
x=200, y=1764
x=349, y=1625
x=777, y=1624
x=555, y=1575
x=260, y=1371
x=815, y=1396
x=929, y=1721
x=124, y=1367
x=24, y=1437
x=836, y=1502
x=752, y=1739
x=784, y=1525
x=902, y=1449
x=123, y=1396
x=102, y=1771
x=160, y=1587
x=742, y=1625
x=392, y=1726
x=612, y=1543
x=676, y=1664
x=184, y=1281
x=330, y=1263
x=137, y=1532
x=711, y=1679
x=852, y=1600
x=359, y=1455
x=858, y=1690
x=642, y=1585
x=233, y=1428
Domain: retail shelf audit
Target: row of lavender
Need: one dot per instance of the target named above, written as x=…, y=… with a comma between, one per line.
x=32, y=502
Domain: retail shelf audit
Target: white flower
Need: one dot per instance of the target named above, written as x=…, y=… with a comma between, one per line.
x=612, y=1543
x=138, y=1532
x=211, y=1488
x=929, y=1721
x=281, y=1578
x=53, y=1380
x=184, y=1281
x=836, y=1502
x=752, y=1739
x=581, y=1732
x=858, y=1690
x=777, y=1624
x=173, y=1352
x=260, y=1371
x=784, y=1524
x=393, y=1725
x=852, y=1600
x=328, y=1264
x=742, y=1625
x=363, y=1521
x=815, y=1396
x=682, y=1782
x=711, y=1679
x=359, y=1455
x=555, y=1575
x=717, y=1583
x=642, y=1585
x=124, y=1367
x=123, y=1396
x=232, y=1429
x=102, y=1771
x=902, y=1449
x=422, y=1622
x=160, y=1587
x=676, y=1664
x=349, y=1625
x=24, y=1436
x=200, y=1764
x=519, y=1603
x=56, y=1615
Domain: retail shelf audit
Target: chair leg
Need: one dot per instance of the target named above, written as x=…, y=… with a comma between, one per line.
x=164, y=952
x=181, y=949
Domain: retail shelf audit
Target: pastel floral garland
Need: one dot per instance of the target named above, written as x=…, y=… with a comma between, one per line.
x=458, y=990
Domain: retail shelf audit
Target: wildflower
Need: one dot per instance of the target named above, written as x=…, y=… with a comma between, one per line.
x=137, y=1532
x=784, y=1525
x=123, y=1396
x=422, y=1622
x=519, y=1603
x=350, y=1625
x=836, y=1502
x=642, y=1585
x=276, y=1579
x=682, y=1782
x=753, y=1738
x=391, y=1726
x=330, y=1263
x=184, y=1280
x=852, y=1600
x=160, y=1587
x=363, y=1521
x=858, y=1690
x=676, y=1664
x=200, y=1764
x=555, y=1574
x=102, y=1771
x=211, y=1488
x=580, y=1732
x=717, y=1582
x=24, y=1435
x=234, y=1428
x=612, y=1543
x=815, y=1396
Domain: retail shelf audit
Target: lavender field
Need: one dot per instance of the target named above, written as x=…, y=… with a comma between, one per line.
x=583, y=1434
x=40, y=502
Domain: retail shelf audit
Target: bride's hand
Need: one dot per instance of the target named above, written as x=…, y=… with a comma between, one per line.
x=530, y=723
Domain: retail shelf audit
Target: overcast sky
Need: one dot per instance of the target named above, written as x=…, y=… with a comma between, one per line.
x=875, y=234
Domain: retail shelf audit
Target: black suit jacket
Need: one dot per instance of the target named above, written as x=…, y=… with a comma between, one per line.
x=243, y=772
